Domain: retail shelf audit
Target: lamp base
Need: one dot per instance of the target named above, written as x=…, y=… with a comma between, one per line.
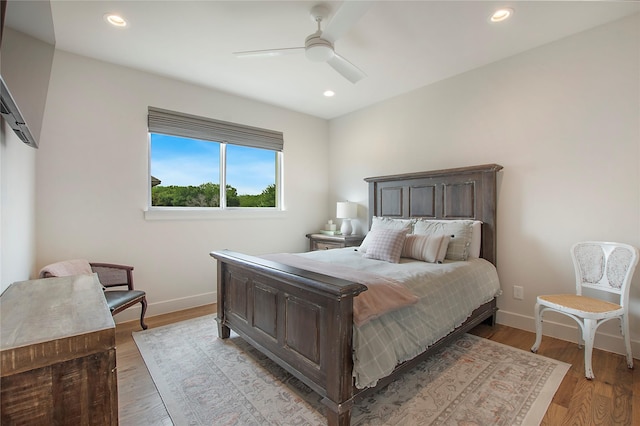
x=346, y=228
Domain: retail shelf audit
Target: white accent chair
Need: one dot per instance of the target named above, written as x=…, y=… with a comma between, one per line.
x=602, y=266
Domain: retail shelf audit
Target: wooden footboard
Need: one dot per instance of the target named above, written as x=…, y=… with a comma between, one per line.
x=304, y=322
x=300, y=319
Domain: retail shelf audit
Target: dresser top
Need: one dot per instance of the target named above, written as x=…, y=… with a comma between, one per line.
x=50, y=309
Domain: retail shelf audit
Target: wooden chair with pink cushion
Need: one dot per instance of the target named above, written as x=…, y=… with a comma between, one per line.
x=600, y=268
x=113, y=277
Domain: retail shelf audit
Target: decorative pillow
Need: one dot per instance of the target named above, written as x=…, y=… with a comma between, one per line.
x=428, y=248
x=386, y=223
x=386, y=244
x=459, y=230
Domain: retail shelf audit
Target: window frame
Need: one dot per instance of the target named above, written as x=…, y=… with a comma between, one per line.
x=223, y=211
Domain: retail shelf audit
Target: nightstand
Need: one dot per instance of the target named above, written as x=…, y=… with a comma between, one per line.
x=328, y=242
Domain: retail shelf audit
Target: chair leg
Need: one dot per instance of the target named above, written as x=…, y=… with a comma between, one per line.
x=589, y=334
x=624, y=327
x=144, y=310
x=538, y=319
x=580, y=339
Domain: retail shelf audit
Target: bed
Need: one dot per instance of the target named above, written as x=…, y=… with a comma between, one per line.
x=304, y=319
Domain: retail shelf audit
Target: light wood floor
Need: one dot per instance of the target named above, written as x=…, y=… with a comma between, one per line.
x=609, y=399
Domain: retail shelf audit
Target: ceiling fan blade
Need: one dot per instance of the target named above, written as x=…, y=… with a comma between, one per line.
x=346, y=69
x=344, y=18
x=268, y=52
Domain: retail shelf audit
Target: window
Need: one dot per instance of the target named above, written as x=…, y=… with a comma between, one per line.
x=192, y=158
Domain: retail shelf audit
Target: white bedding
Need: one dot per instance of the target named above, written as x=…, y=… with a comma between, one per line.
x=448, y=293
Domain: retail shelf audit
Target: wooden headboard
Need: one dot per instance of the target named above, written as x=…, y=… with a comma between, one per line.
x=460, y=193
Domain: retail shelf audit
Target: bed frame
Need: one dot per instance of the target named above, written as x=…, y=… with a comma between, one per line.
x=304, y=321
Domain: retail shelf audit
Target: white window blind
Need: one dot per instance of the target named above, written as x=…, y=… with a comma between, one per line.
x=203, y=128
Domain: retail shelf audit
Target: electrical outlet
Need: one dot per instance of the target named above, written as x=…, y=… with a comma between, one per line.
x=518, y=292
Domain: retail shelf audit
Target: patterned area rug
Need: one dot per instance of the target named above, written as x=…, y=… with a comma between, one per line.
x=204, y=380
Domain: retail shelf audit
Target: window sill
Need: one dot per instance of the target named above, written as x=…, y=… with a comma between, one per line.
x=190, y=213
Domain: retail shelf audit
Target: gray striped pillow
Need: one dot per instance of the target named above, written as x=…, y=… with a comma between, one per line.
x=428, y=248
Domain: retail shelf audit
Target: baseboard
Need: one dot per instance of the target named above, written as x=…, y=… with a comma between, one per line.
x=605, y=341
x=167, y=306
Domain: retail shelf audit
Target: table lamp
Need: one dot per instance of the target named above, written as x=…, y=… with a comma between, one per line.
x=346, y=210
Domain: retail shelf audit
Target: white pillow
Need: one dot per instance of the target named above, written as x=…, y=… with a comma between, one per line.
x=459, y=230
x=386, y=223
x=386, y=244
x=476, y=239
x=428, y=248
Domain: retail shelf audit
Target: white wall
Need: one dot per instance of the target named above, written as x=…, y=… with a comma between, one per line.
x=563, y=120
x=25, y=62
x=92, y=181
x=17, y=208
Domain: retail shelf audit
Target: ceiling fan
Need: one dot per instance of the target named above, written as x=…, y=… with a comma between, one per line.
x=318, y=47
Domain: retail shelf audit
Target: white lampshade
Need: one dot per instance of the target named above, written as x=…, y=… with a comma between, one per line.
x=346, y=210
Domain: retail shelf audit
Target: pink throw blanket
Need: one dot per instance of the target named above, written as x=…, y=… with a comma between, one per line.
x=66, y=268
x=383, y=294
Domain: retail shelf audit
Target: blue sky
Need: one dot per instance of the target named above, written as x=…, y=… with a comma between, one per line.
x=183, y=161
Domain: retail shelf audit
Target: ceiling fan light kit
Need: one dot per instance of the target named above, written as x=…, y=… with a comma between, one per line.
x=318, y=49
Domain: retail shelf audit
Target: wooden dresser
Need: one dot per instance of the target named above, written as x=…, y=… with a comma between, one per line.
x=57, y=353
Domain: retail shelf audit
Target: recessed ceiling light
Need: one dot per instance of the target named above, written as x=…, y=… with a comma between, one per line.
x=501, y=14
x=329, y=93
x=115, y=20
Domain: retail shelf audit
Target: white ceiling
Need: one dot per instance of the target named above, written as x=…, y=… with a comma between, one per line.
x=400, y=45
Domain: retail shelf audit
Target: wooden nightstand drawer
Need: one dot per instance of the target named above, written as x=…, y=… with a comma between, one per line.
x=328, y=242
x=324, y=245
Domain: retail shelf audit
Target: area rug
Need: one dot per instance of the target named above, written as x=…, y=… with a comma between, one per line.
x=204, y=380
